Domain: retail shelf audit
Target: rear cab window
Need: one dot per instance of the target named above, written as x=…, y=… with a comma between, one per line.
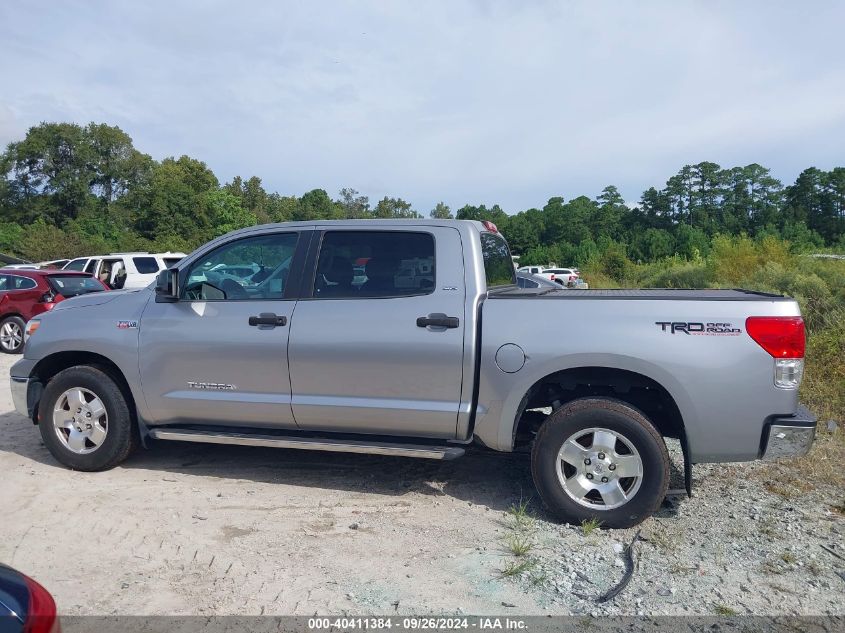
x=358, y=264
x=498, y=263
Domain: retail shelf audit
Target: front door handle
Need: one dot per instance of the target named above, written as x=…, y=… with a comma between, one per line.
x=438, y=319
x=269, y=319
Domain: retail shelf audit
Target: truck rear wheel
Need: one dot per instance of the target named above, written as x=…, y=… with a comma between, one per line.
x=85, y=421
x=600, y=459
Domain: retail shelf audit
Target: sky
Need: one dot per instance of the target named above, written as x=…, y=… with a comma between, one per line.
x=477, y=102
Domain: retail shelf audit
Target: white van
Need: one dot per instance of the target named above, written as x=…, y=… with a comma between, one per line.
x=125, y=270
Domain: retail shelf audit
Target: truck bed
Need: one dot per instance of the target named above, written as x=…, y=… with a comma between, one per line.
x=663, y=294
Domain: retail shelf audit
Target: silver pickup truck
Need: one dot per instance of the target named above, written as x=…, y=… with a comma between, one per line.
x=411, y=338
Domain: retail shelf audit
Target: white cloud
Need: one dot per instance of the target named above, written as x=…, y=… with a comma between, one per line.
x=480, y=102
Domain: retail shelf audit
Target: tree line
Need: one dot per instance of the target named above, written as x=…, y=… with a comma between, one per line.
x=68, y=190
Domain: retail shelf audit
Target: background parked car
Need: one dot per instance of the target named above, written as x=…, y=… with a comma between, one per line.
x=26, y=293
x=563, y=276
x=55, y=263
x=25, y=606
x=125, y=270
x=22, y=266
x=527, y=280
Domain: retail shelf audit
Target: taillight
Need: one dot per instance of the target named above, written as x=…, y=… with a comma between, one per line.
x=783, y=338
x=41, y=616
x=490, y=226
x=552, y=276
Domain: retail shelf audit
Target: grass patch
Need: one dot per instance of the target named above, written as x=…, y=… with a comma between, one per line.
x=588, y=526
x=789, y=558
x=517, y=568
x=768, y=527
x=520, y=515
x=519, y=544
x=724, y=610
x=664, y=541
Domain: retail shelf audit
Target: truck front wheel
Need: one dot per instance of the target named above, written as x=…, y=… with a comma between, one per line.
x=85, y=421
x=600, y=459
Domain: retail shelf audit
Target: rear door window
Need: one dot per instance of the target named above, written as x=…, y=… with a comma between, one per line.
x=498, y=263
x=145, y=265
x=357, y=264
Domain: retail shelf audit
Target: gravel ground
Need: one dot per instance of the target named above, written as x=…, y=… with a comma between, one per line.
x=192, y=529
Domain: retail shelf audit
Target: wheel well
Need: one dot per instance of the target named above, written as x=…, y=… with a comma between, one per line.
x=53, y=364
x=11, y=314
x=555, y=390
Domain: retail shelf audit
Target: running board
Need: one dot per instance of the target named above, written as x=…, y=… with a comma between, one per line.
x=310, y=443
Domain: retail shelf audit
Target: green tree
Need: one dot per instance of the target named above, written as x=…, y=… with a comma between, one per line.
x=441, y=211
x=173, y=203
x=354, y=205
x=607, y=216
x=50, y=172
x=316, y=205
x=225, y=213
x=394, y=208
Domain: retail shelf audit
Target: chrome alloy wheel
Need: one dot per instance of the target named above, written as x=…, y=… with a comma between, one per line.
x=11, y=336
x=80, y=420
x=599, y=468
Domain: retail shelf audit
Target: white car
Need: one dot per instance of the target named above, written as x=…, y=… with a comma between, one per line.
x=562, y=276
x=125, y=270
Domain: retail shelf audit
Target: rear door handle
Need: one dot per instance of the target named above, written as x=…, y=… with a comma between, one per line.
x=438, y=319
x=268, y=319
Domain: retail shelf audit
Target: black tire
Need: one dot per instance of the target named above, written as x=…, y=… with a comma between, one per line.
x=621, y=418
x=121, y=436
x=20, y=325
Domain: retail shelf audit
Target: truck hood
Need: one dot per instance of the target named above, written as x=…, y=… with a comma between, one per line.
x=94, y=299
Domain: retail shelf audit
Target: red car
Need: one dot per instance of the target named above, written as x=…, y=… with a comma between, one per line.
x=26, y=293
x=25, y=606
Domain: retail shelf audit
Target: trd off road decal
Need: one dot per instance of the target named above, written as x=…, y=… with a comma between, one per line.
x=699, y=329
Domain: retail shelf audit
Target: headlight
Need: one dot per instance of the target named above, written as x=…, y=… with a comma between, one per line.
x=29, y=330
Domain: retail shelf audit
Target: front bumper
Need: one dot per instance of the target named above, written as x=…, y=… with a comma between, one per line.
x=20, y=389
x=789, y=436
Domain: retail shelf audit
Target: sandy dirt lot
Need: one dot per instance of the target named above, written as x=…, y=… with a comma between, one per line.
x=195, y=529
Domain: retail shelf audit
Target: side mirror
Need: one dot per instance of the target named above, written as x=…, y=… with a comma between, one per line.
x=167, y=286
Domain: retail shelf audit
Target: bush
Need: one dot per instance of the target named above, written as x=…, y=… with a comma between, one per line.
x=688, y=275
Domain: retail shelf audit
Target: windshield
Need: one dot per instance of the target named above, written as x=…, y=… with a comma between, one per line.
x=73, y=285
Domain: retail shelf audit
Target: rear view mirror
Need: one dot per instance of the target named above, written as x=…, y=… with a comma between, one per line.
x=167, y=286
